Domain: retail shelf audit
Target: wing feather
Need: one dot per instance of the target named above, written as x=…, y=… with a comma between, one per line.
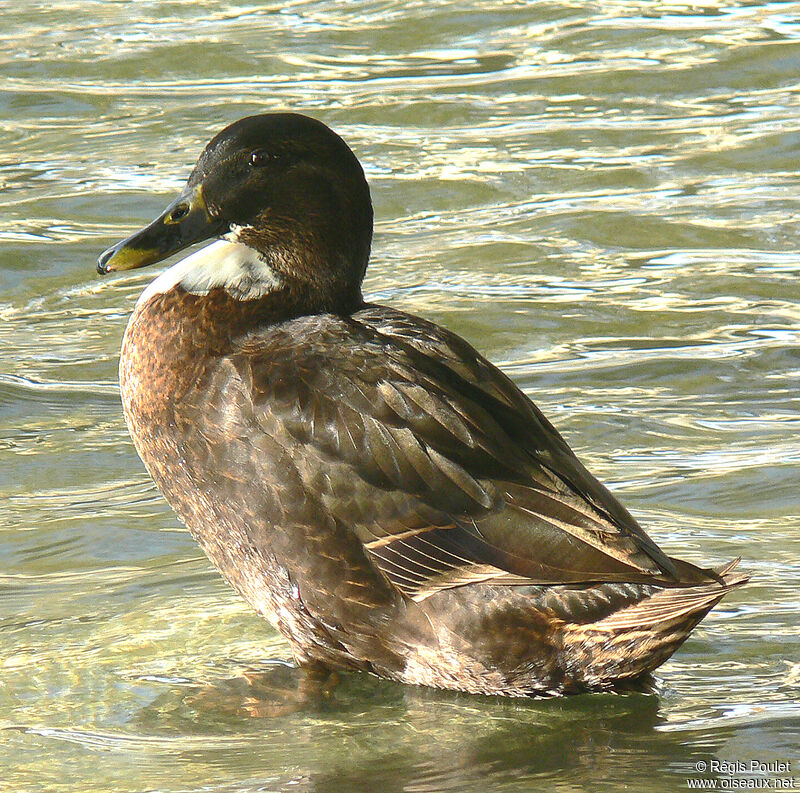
x=442, y=468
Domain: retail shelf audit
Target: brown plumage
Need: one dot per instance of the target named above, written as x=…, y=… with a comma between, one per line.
x=385, y=496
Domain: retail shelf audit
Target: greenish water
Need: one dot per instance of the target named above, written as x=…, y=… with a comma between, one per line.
x=602, y=197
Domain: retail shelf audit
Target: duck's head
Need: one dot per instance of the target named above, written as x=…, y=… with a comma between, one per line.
x=283, y=185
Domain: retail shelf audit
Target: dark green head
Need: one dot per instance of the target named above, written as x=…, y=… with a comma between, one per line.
x=282, y=184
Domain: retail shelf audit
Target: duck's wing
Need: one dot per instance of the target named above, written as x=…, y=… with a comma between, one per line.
x=444, y=471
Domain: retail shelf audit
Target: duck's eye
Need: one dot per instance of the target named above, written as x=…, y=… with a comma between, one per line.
x=262, y=157
x=177, y=214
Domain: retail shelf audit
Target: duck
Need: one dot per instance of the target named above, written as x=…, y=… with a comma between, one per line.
x=369, y=483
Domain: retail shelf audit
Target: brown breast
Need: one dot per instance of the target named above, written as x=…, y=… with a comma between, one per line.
x=195, y=440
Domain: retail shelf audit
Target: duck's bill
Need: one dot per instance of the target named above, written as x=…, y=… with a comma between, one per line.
x=184, y=222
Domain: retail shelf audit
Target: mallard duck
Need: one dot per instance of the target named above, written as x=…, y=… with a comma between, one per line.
x=386, y=497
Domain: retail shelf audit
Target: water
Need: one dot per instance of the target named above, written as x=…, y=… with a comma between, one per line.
x=602, y=197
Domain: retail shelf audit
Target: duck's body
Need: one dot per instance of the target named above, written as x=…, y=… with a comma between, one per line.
x=385, y=496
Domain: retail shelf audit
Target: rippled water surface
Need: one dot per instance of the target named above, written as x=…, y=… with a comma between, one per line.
x=601, y=196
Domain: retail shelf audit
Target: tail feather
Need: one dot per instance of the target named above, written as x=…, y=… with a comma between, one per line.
x=667, y=605
x=641, y=636
x=724, y=569
x=692, y=575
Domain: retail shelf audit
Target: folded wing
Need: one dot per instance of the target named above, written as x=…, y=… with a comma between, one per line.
x=442, y=469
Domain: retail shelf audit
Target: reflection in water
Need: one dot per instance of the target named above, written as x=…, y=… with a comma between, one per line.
x=602, y=198
x=368, y=735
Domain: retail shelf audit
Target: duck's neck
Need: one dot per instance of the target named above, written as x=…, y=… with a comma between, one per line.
x=304, y=278
x=235, y=268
